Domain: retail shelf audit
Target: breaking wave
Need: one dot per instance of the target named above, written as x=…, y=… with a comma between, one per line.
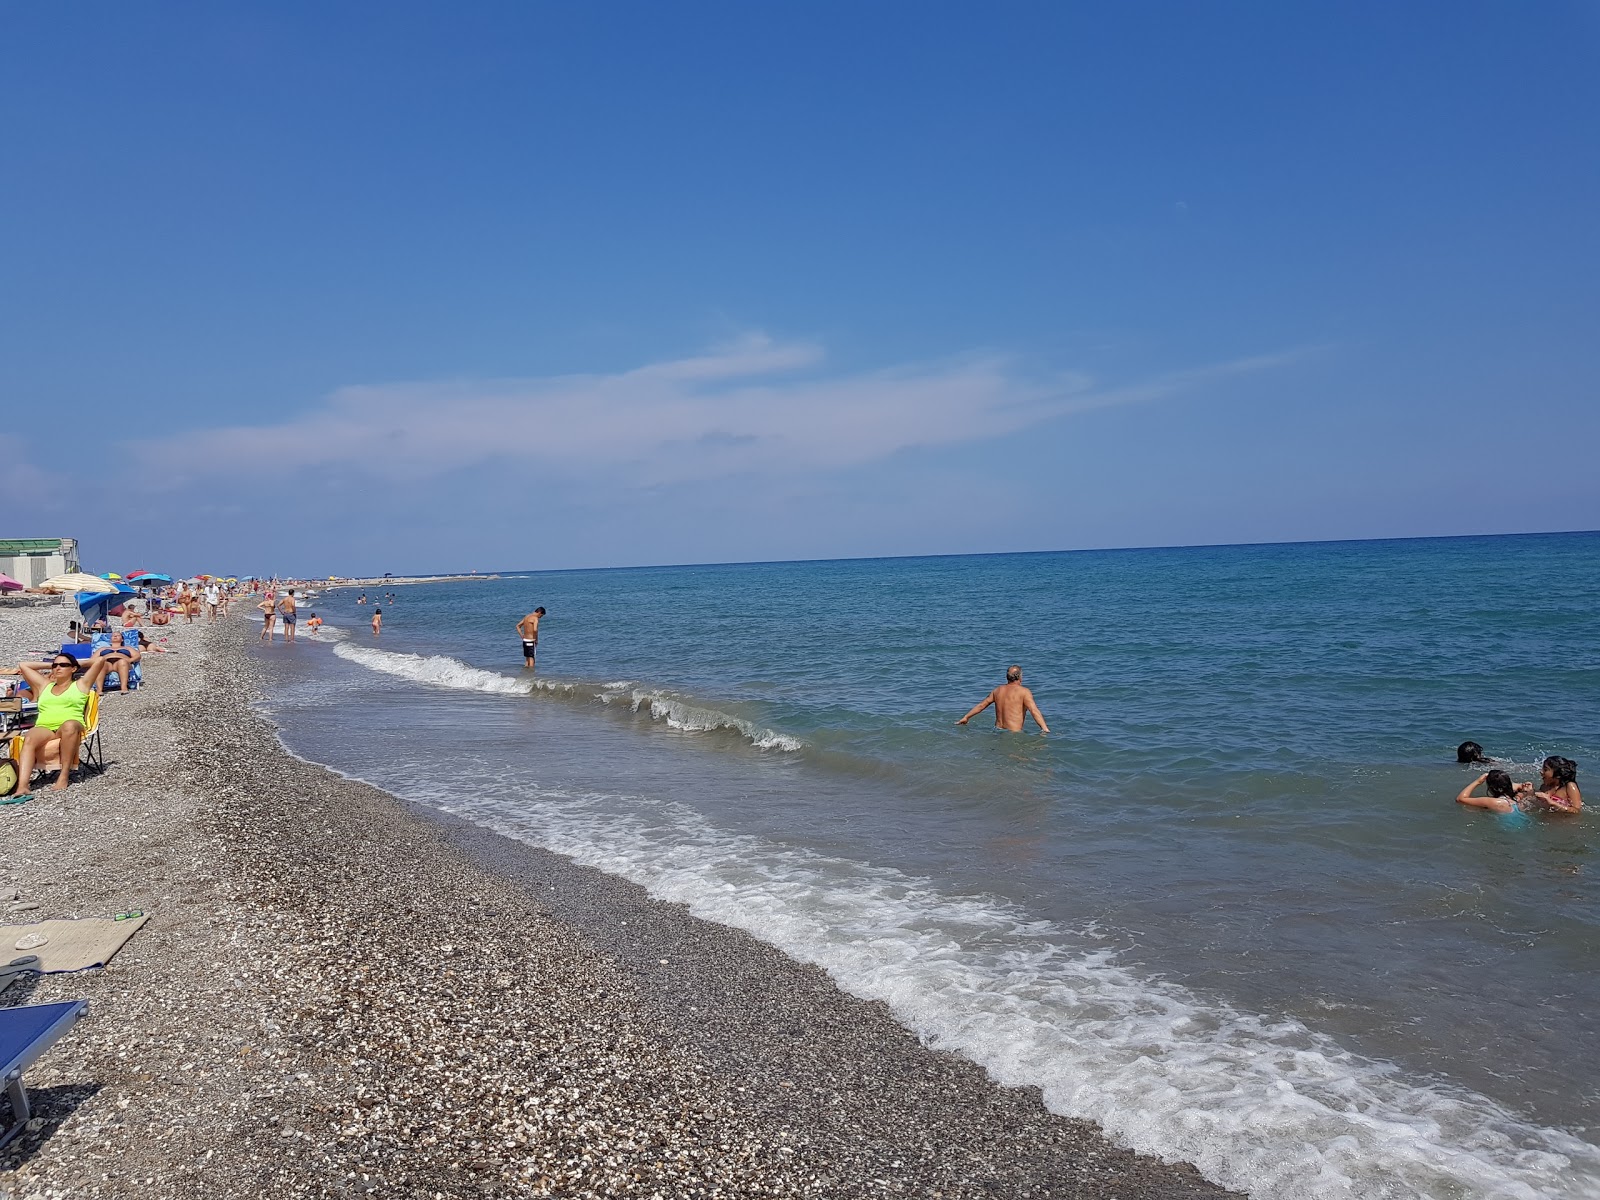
x=1258, y=1103
x=670, y=708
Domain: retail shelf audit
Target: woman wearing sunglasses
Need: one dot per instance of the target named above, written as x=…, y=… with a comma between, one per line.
x=63, y=707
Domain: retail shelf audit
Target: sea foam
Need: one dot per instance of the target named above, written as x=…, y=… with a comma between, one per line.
x=672, y=709
x=1265, y=1105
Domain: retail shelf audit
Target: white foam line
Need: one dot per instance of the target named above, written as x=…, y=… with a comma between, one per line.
x=1271, y=1107
x=675, y=711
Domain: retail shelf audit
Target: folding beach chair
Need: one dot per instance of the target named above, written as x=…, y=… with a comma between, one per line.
x=25, y=1034
x=91, y=752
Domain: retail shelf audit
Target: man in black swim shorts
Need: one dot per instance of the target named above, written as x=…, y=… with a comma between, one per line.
x=528, y=631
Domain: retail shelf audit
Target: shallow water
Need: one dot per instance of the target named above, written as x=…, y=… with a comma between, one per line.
x=1227, y=908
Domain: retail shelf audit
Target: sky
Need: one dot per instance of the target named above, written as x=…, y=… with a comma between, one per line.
x=357, y=287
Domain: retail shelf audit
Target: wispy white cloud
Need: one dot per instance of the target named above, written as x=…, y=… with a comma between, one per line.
x=756, y=405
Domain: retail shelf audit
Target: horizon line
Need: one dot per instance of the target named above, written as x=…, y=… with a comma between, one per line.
x=773, y=562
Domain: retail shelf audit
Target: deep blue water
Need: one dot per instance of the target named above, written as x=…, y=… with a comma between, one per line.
x=1228, y=907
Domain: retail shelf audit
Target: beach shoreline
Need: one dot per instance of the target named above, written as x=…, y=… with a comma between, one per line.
x=340, y=993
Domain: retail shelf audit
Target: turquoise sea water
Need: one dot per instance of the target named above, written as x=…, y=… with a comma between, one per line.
x=1228, y=908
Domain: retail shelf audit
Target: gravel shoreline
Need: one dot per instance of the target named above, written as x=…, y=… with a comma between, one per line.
x=340, y=995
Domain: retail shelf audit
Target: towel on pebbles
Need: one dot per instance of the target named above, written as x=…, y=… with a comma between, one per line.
x=68, y=945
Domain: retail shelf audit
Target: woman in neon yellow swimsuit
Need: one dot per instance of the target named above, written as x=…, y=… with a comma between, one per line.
x=63, y=708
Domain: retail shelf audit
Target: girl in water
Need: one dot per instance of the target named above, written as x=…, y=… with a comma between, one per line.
x=1558, y=786
x=1502, y=797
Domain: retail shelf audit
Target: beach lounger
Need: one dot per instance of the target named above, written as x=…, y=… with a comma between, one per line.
x=135, y=673
x=25, y=1034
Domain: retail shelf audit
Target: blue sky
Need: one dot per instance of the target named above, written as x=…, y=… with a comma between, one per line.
x=360, y=287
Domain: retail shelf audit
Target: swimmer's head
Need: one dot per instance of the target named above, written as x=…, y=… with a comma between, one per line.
x=1499, y=784
x=1471, y=752
x=540, y=610
x=1013, y=674
x=1558, y=771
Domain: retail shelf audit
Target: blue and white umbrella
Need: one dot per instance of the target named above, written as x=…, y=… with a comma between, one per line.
x=95, y=606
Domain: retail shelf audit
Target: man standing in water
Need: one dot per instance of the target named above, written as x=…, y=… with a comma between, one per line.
x=528, y=630
x=1013, y=704
x=287, y=608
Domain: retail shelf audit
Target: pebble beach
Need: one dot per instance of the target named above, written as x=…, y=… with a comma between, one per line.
x=338, y=994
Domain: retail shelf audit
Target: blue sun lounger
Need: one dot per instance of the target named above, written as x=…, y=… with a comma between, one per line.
x=25, y=1034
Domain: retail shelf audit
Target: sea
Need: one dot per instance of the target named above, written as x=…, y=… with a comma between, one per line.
x=1227, y=908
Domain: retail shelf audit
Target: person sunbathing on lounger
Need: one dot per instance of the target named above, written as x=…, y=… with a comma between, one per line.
x=125, y=647
x=63, y=716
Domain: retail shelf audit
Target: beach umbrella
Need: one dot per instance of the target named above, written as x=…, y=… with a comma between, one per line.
x=111, y=575
x=149, y=577
x=95, y=605
x=8, y=584
x=77, y=581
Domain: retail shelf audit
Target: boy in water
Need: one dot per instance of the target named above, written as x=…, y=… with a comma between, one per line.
x=377, y=621
x=528, y=630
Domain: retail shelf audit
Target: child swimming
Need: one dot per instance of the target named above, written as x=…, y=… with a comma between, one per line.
x=1558, y=791
x=1502, y=797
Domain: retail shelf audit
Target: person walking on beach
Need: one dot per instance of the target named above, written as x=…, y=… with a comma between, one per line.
x=1013, y=704
x=213, y=600
x=528, y=630
x=377, y=621
x=286, y=607
x=269, y=614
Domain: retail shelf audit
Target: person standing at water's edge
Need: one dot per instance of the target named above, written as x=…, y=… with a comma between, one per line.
x=269, y=614
x=1013, y=704
x=287, y=607
x=528, y=630
x=377, y=621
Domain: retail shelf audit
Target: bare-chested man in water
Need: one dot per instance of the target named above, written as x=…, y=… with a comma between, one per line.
x=1013, y=704
x=528, y=630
